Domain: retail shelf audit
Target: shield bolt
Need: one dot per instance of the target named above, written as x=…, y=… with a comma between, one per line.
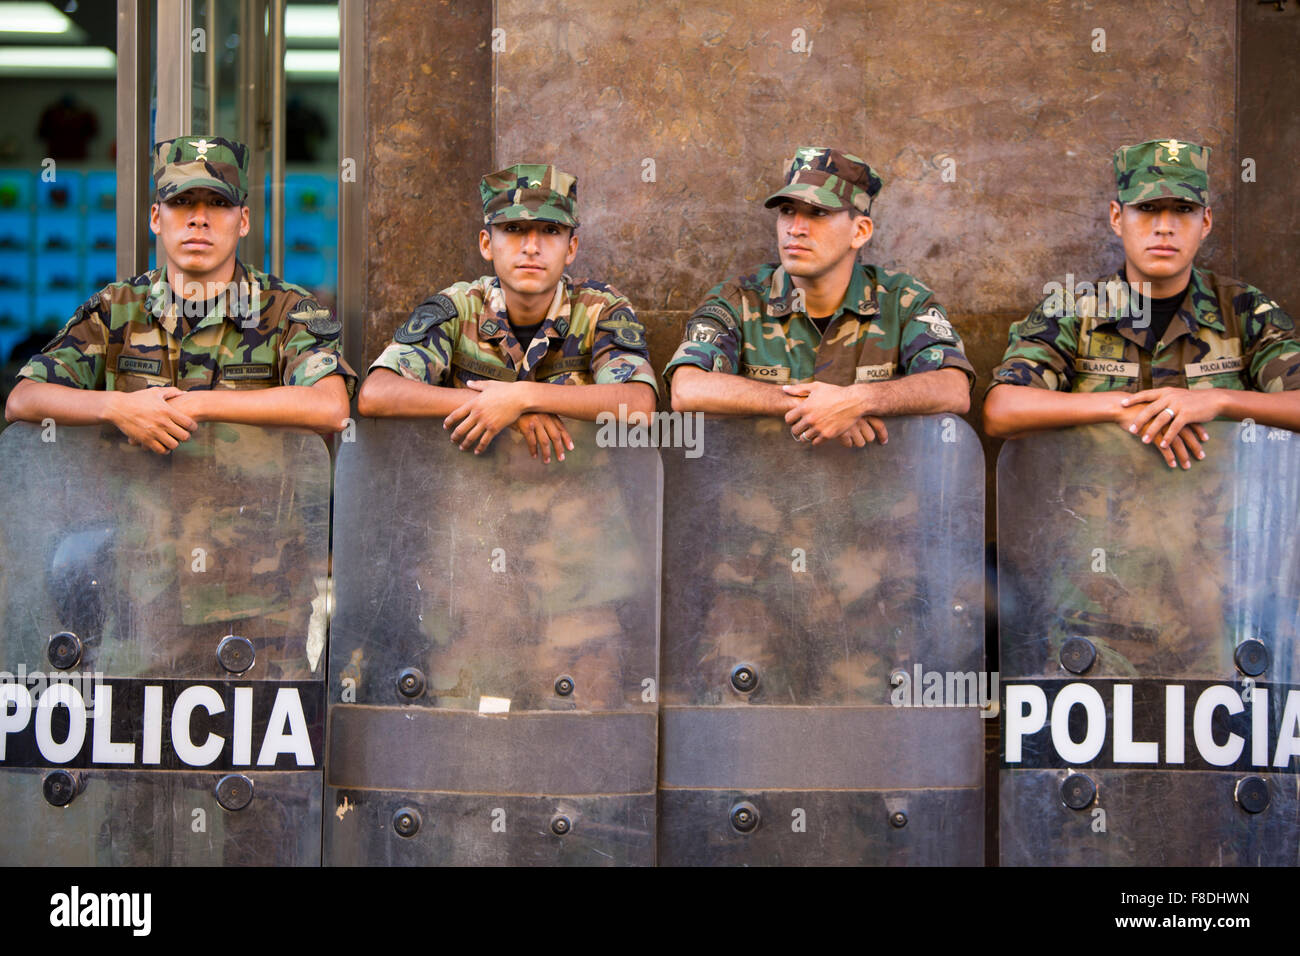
x=406, y=822
x=1078, y=654
x=1251, y=657
x=63, y=650
x=744, y=678
x=60, y=787
x=410, y=682
x=1252, y=794
x=1078, y=791
x=236, y=654
x=234, y=791
x=560, y=824
x=564, y=685
x=898, y=819
x=744, y=817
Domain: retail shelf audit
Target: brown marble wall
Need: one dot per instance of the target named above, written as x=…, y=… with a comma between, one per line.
x=1268, y=221
x=428, y=103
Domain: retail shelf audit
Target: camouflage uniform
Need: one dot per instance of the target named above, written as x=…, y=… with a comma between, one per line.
x=259, y=333
x=590, y=334
x=1226, y=334
x=888, y=325
x=128, y=336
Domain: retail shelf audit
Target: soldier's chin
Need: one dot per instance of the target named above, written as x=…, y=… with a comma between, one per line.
x=798, y=267
x=190, y=262
x=532, y=282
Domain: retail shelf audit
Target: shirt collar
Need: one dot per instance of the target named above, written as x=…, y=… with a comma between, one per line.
x=163, y=304
x=1198, y=307
x=495, y=320
x=781, y=298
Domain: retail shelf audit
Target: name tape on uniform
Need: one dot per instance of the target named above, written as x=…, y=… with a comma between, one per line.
x=1106, y=367
x=1216, y=367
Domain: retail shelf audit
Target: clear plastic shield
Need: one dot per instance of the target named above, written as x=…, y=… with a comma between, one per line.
x=1148, y=622
x=162, y=647
x=494, y=651
x=823, y=648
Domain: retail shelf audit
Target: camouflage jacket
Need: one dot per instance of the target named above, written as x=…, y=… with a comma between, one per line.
x=1226, y=334
x=590, y=336
x=262, y=332
x=888, y=325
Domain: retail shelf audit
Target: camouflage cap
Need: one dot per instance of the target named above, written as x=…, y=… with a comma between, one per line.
x=193, y=162
x=1160, y=168
x=530, y=191
x=830, y=179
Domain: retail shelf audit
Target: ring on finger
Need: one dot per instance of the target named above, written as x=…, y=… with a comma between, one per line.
x=1172, y=413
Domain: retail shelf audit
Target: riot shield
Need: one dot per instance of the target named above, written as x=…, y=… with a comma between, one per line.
x=1148, y=645
x=493, y=651
x=162, y=647
x=823, y=648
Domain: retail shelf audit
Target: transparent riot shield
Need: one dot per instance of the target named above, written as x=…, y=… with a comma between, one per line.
x=494, y=651
x=162, y=647
x=823, y=648
x=1148, y=623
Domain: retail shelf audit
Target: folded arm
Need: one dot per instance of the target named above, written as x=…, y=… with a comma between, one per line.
x=322, y=407
x=1011, y=411
x=161, y=418
x=721, y=393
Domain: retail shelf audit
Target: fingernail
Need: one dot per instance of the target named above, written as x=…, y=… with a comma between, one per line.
x=1200, y=454
x=1164, y=444
x=1133, y=429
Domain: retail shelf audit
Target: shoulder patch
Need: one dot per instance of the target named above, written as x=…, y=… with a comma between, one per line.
x=1034, y=324
x=319, y=321
x=429, y=313
x=627, y=330
x=1277, y=315
x=716, y=312
x=940, y=327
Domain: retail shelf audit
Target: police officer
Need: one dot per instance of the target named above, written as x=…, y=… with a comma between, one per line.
x=493, y=353
x=1158, y=346
x=203, y=338
x=828, y=343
